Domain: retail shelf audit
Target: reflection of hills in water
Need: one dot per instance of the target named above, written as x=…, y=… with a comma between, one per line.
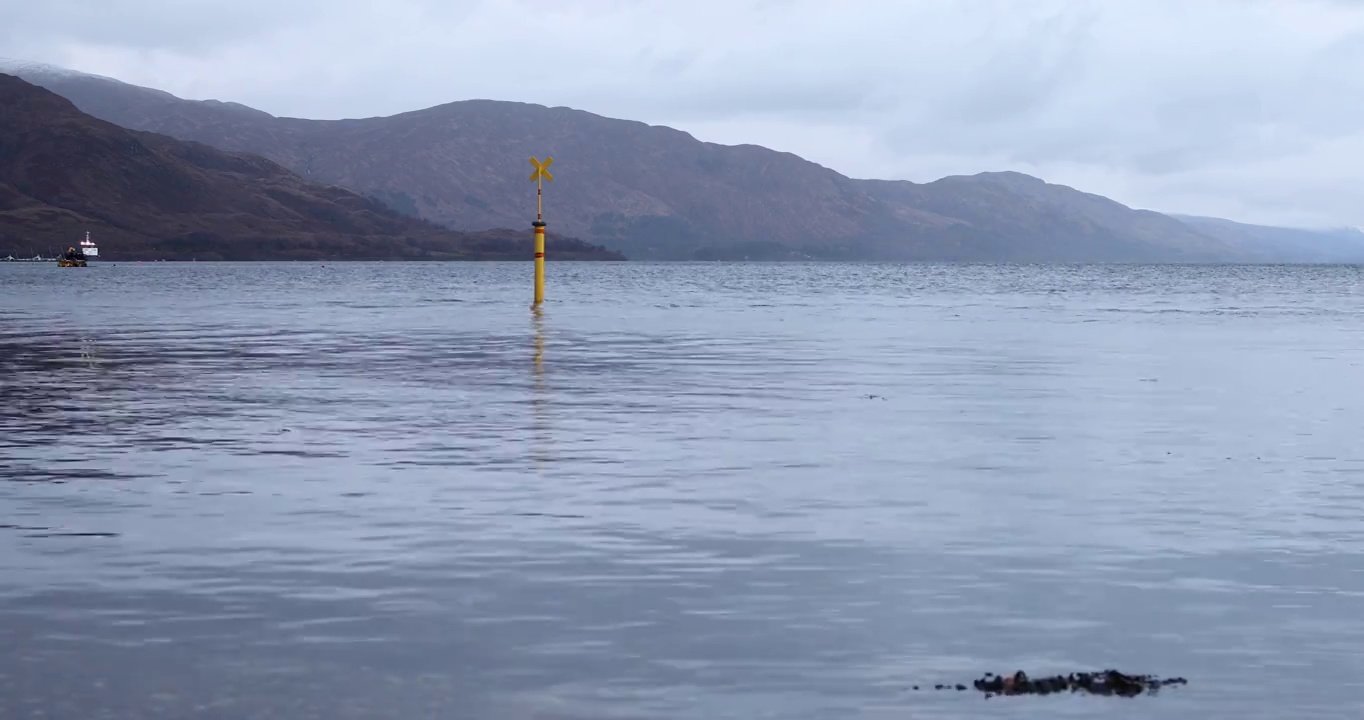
x=313, y=393
x=239, y=390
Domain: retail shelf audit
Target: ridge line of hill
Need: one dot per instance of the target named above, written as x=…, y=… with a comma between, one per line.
x=460, y=165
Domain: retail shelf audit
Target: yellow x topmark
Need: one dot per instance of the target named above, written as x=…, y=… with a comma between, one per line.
x=542, y=169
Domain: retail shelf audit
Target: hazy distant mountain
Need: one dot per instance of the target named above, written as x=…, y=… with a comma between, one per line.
x=653, y=191
x=144, y=195
x=656, y=192
x=1281, y=244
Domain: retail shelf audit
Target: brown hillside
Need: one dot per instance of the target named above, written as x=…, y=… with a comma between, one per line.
x=63, y=172
x=656, y=192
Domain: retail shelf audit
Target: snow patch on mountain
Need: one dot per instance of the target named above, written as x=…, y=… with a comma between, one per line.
x=27, y=68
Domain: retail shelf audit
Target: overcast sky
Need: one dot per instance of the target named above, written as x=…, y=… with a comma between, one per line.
x=1247, y=109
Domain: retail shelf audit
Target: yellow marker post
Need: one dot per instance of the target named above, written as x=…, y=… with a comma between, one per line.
x=541, y=172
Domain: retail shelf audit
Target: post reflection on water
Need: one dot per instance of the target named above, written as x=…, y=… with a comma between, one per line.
x=540, y=424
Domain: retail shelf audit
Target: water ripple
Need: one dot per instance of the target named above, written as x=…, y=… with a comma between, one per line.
x=387, y=490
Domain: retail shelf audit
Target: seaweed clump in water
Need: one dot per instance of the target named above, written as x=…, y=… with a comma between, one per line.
x=1108, y=682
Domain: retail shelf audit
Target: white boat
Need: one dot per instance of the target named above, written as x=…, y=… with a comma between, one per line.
x=88, y=247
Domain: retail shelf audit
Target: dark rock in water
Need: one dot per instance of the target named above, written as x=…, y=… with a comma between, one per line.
x=1107, y=682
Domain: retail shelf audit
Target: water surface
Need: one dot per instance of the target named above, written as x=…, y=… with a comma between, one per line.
x=389, y=490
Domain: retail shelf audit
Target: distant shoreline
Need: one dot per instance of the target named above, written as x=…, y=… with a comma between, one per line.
x=763, y=261
x=114, y=261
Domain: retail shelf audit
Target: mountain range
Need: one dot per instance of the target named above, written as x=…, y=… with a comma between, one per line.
x=63, y=172
x=653, y=192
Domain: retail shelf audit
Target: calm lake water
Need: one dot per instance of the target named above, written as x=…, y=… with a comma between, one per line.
x=684, y=491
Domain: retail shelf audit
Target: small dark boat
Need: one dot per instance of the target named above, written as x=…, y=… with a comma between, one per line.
x=72, y=258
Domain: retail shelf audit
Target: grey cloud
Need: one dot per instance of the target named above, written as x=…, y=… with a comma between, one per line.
x=667, y=66
x=1165, y=116
x=1018, y=79
x=813, y=100
x=190, y=26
